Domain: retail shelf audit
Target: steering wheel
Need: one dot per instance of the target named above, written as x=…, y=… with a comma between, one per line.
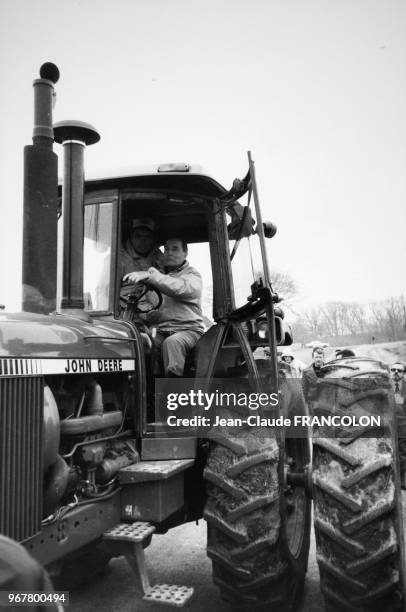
x=140, y=298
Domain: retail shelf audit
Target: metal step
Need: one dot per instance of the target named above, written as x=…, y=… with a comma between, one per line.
x=153, y=490
x=169, y=594
x=130, y=532
x=153, y=470
x=129, y=539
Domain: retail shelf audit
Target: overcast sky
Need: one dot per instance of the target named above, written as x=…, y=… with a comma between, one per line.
x=315, y=89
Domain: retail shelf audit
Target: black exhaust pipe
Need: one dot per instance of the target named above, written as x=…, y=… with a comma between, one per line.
x=41, y=201
x=74, y=136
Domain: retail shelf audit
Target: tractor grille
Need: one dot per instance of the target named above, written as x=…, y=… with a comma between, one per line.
x=21, y=416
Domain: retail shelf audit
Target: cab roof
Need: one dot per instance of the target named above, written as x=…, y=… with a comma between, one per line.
x=193, y=180
x=176, y=196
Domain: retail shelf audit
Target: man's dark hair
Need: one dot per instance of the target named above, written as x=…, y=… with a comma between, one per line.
x=181, y=240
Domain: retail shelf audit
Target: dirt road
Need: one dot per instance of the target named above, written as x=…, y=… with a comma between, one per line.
x=179, y=557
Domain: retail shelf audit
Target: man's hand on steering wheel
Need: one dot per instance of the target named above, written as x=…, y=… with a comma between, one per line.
x=136, y=277
x=134, y=297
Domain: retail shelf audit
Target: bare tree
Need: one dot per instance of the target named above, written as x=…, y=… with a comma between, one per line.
x=284, y=284
x=332, y=316
x=358, y=317
x=394, y=314
x=313, y=320
x=378, y=317
x=385, y=319
x=403, y=308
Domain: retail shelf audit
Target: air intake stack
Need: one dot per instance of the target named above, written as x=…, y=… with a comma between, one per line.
x=74, y=136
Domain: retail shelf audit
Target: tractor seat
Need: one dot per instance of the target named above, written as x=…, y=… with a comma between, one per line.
x=198, y=359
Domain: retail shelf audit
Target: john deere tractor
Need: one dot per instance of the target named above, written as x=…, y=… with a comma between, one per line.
x=87, y=468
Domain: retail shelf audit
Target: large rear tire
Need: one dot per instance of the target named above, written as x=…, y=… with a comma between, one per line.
x=356, y=488
x=258, y=527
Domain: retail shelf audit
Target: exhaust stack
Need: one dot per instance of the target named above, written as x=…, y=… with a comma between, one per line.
x=74, y=136
x=41, y=201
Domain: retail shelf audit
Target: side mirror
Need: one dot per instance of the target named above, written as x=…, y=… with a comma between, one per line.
x=269, y=229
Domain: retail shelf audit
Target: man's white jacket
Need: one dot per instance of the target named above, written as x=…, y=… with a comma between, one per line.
x=182, y=297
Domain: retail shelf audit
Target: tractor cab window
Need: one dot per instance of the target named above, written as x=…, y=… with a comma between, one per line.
x=97, y=255
x=199, y=258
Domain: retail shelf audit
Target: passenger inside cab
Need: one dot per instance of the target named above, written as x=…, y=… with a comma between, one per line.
x=138, y=253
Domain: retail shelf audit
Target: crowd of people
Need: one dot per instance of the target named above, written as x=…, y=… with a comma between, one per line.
x=309, y=374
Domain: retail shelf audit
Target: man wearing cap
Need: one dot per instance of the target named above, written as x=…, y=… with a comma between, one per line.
x=180, y=317
x=140, y=251
x=138, y=254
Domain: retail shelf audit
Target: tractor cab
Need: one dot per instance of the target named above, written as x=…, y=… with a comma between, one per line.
x=177, y=202
x=226, y=244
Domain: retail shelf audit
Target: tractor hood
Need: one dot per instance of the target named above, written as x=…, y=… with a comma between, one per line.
x=58, y=336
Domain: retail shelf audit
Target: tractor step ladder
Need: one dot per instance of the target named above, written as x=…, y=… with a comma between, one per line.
x=129, y=538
